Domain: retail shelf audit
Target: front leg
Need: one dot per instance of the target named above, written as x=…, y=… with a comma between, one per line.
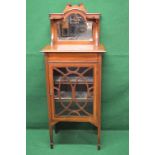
x=51, y=136
x=98, y=137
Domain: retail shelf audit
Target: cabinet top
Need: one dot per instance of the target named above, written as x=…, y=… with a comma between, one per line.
x=75, y=26
x=74, y=48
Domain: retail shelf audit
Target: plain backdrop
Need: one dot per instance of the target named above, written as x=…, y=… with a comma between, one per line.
x=13, y=77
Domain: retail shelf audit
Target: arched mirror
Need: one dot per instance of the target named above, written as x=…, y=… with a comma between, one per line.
x=75, y=27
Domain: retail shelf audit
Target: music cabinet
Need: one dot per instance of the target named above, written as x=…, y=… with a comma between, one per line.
x=73, y=68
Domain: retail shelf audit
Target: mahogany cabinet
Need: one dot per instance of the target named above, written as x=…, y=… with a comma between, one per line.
x=73, y=68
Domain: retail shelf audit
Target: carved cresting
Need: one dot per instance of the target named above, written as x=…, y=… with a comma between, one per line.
x=71, y=7
x=73, y=91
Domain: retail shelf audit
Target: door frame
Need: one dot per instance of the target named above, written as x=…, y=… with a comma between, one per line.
x=92, y=119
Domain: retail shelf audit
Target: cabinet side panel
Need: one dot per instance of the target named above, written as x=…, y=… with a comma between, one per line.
x=48, y=89
x=99, y=69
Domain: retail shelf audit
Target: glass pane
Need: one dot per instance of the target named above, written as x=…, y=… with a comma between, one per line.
x=75, y=28
x=73, y=91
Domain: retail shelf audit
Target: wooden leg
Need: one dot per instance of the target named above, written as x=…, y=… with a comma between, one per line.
x=98, y=138
x=56, y=128
x=51, y=136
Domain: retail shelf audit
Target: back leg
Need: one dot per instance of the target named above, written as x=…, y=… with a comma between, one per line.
x=98, y=138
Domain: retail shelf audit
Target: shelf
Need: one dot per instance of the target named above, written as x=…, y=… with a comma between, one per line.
x=78, y=99
x=80, y=96
x=68, y=80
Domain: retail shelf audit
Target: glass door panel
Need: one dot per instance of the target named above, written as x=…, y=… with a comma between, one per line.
x=73, y=91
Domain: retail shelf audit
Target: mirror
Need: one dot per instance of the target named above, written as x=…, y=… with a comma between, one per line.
x=74, y=27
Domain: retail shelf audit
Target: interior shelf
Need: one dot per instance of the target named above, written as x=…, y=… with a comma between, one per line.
x=80, y=96
x=73, y=79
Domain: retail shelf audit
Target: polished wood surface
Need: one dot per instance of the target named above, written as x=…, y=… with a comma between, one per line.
x=74, y=48
x=77, y=54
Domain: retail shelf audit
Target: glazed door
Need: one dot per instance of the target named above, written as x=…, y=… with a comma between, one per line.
x=72, y=89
